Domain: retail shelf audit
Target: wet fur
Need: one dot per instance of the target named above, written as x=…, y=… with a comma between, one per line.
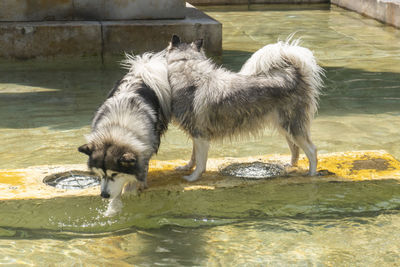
x=127, y=127
x=278, y=85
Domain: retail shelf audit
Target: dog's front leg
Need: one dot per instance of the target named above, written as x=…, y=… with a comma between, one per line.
x=142, y=178
x=200, y=154
x=191, y=162
x=140, y=183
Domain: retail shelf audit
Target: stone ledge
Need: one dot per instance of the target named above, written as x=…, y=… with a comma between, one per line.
x=49, y=10
x=58, y=39
x=339, y=167
x=139, y=36
x=250, y=2
x=386, y=11
x=29, y=40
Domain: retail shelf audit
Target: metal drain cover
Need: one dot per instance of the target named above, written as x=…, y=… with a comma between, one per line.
x=253, y=170
x=72, y=180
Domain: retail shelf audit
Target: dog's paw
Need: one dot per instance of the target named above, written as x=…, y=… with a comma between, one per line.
x=312, y=173
x=191, y=178
x=141, y=186
x=184, y=168
x=134, y=188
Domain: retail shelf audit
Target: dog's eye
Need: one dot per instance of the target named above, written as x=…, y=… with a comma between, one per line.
x=127, y=160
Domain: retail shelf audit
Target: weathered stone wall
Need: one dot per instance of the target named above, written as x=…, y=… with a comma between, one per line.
x=387, y=11
x=101, y=39
x=40, y=10
x=246, y=2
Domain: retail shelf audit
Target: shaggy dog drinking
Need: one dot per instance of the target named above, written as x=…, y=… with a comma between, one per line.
x=127, y=127
x=279, y=85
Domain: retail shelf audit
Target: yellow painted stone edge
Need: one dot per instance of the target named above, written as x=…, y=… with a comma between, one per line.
x=342, y=166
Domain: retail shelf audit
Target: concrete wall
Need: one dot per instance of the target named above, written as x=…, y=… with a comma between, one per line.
x=28, y=40
x=247, y=2
x=121, y=36
x=387, y=11
x=102, y=39
x=40, y=10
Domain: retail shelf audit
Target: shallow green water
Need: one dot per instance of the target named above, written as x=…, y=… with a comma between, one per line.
x=44, y=116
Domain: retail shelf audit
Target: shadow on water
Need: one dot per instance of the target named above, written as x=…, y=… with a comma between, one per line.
x=58, y=99
x=68, y=99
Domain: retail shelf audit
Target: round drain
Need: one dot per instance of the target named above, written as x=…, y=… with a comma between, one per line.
x=72, y=180
x=253, y=170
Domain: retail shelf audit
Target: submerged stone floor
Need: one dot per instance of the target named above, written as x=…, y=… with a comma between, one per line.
x=334, y=167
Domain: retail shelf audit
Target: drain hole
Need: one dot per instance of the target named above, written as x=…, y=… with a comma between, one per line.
x=253, y=170
x=72, y=180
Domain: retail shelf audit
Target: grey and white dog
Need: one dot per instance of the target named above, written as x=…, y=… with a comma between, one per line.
x=279, y=85
x=127, y=127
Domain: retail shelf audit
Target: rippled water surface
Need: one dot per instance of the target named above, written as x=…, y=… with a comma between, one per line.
x=366, y=241
x=44, y=116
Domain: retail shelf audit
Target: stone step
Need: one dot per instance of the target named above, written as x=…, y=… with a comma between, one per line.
x=60, y=39
x=49, y=10
x=253, y=2
x=335, y=167
x=350, y=184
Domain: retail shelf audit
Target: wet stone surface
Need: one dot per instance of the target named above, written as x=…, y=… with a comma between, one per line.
x=371, y=164
x=253, y=170
x=72, y=180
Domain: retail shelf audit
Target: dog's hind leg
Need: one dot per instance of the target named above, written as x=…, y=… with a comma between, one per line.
x=200, y=157
x=295, y=126
x=294, y=149
x=310, y=149
x=191, y=162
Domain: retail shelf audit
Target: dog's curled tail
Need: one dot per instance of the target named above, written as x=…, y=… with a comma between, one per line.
x=278, y=56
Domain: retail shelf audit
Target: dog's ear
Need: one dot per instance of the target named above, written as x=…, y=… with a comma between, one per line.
x=86, y=149
x=198, y=44
x=128, y=159
x=175, y=41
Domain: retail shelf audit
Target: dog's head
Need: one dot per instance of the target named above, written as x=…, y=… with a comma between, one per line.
x=116, y=165
x=183, y=51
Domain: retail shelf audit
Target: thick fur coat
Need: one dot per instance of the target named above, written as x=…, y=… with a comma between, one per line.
x=278, y=85
x=127, y=127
